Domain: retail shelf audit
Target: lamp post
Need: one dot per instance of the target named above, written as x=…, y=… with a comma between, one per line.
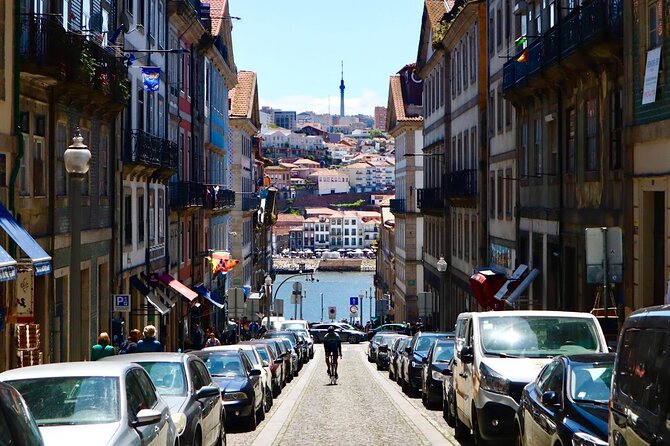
x=268, y=298
x=77, y=158
x=441, y=267
x=360, y=301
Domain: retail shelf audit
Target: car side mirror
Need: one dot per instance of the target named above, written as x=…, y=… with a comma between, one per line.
x=207, y=392
x=408, y=350
x=550, y=399
x=146, y=417
x=467, y=354
x=255, y=372
x=265, y=363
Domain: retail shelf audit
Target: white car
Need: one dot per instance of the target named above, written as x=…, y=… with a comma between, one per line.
x=255, y=358
x=94, y=403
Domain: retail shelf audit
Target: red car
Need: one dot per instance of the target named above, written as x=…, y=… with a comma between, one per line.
x=274, y=361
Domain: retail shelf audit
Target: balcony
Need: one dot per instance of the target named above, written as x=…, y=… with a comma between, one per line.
x=250, y=203
x=74, y=62
x=397, y=205
x=462, y=184
x=431, y=200
x=217, y=198
x=597, y=23
x=147, y=154
x=186, y=194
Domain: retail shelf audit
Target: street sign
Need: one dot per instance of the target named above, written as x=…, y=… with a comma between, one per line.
x=353, y=310
x=297, y=287
x=332, y=313
x=353, y=301
x=121, y=302
x=295, y=298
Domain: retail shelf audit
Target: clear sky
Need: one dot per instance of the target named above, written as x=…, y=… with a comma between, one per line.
x=295, y=47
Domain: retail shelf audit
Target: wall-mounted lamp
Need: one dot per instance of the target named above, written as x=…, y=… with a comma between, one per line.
x=550, y=117
x=441, y=265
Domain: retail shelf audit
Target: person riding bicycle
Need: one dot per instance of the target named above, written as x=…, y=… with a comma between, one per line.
x=332, y=344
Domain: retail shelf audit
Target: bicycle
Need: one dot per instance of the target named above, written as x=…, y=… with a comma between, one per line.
x=332, y=358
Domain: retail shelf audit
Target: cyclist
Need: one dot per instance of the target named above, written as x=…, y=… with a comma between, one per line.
x=332, y=344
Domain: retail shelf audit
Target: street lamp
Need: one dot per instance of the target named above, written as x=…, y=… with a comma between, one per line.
x=268, y=298
x=441, y=265
x=77, y=158
x=360, y=301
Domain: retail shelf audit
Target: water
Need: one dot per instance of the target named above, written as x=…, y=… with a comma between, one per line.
x=336, y=287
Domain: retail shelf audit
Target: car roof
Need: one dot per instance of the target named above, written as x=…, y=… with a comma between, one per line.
x=233, y=347
x=535, y=313
x=218, y=352
x=591, y=357
x=59, y=369
x=436, y=333
x=655, y=311
x=150, y=357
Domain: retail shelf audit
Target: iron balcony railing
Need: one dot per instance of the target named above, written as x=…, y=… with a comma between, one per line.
x=580, y=27
x=184, y=194
x=169, y=155
x=250, y=203
x=462, y=183
x=47, y=48
x=144, y=148
x=217, y=198
x=430, y=199
x=397, y=205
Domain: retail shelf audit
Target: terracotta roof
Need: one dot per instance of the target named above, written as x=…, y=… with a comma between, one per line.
x=305, y=161
x=242, y=96
x=217, y=9
x=399, y=102
x=436, y=10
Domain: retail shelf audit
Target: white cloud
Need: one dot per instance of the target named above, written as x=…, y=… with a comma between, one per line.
x=364, y=104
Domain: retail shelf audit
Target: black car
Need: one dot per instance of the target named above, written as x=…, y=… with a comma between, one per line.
x=240, y=383
x=567, y=402
x=346, y=332
x=434, y=370
x=17, y=425
x=293, y=339
x=397, y=348
x=417, y=352
x=384, y=350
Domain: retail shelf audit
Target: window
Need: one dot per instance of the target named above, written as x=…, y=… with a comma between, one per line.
x=491, y=34
x=152, y=217
x=452, y=66
x=161, y=24
x=473, y=237
x=616, y=124
x=508, y=114
x=454, y=233
x=654, y=24
x=141, y=223
x=140, y=12
x=501, y=194
x=459, y=240
x=130, y=6
x=161, y=216
x=466, y=55
x=508, y=24
x=537, y=141
x=459, y=73
x=571, y=128
x=508, y=193
x=523, y=137
x=61, y=145
x=127, y=218
x=473, y=55
x=39, y=173
x=592, y=155
x=474, y=147
x=492, y=195
x=23, y=168
x=104, y=160
x=492, y=117
x=499, y=28
x=500, y=111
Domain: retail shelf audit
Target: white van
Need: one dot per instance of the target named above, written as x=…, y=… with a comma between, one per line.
x=499, y=352
x=274, y=322
x=294, y=324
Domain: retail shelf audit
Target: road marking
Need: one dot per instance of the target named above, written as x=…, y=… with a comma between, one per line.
x=274, y=425
x=414, y=417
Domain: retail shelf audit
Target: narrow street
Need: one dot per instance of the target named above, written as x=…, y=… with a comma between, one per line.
x=364, y=406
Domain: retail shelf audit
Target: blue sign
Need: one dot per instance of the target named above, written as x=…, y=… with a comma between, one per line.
x=121, y=302
x=353, y=301
x=151, y=78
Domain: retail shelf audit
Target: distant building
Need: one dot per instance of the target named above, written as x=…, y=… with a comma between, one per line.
x=280, y=177
x=330, y=181
x=380, y=118
x=329, y=229
x=285, y=119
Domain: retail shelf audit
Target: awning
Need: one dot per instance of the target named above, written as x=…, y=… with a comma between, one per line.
x=178, y=286
x=158, y=303
x=39, y=257
x=484, y=285
x=140, y=286
x=155, y=297
x=523, y=286
x=204, y=292
x=7, y=266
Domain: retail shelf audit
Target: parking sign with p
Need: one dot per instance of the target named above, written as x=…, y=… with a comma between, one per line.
x=121, y=302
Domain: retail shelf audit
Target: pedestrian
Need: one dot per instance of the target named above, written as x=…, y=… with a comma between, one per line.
x=102, y=348
x=149, y=343
x=212, y=341
x=130, y=344
x=253, y=329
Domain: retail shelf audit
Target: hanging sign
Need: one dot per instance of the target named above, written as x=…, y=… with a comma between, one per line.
x=151, y=78
x=651, y=76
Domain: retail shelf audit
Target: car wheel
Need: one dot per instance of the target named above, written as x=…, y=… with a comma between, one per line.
x=222, y=440
x=276, y=390
x=447, y=413
x=518, y=438
x=251, y=419
x=260, y=416
x=352, y=339
x=268, y=399
x=460, y=429
x=391, y=377
x=476, y=435
x=197, y=440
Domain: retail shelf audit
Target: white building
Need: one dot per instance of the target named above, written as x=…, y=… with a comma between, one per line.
x=330, y=181
x=329, y=229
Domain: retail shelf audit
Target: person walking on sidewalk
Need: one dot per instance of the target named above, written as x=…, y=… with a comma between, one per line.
x=149, y=343
x=332, y=344
x=130, y=344
x=102, y=348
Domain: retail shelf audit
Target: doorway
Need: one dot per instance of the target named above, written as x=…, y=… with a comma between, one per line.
x=653, y=249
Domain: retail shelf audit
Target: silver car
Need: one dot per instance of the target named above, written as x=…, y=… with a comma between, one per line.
x=94, y=403
x=184, y=382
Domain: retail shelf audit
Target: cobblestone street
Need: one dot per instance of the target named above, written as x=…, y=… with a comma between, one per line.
x=365, y=406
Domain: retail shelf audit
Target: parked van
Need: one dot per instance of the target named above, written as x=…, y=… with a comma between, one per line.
x=499, y=352
x=640, y=401
x=274, y=322
x=294, y=324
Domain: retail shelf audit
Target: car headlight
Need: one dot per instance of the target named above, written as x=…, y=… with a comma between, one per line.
x=234, y=396
x=437, y=375
x=492, y=381
x=179, y=420
x=416, y=364
x=584, y=439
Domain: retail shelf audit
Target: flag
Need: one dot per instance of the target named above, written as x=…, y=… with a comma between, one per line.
x=523, y=57
x=151, y=78
x=521, y=40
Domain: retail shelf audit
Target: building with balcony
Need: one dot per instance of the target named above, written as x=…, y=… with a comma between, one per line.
x=330, y=181
x=245, y=124
x=405, y=124
x=385, y=275
x=566, y=83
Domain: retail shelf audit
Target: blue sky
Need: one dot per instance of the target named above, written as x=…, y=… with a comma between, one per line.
x=295, y=47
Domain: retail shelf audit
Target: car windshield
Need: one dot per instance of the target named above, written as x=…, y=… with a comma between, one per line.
x=537, y=336
x=223, y=365
x=443, y=352
x=424, y=342
x=590, y=382
x=253, y=359
x=347, y=327
x=386, y=340
x=71, y=400
x=292, y=325
x=168, y=377
x=264, y=353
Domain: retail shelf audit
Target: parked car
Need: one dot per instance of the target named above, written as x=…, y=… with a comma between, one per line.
x=257, y=363
x=639, y=409
x=402, y=363
x=345, y=331
x=417, y=352
x=372, y=347
x=499, y=352
x=280, y=352
x=308, y=338
x=275, y=363
x=567, y=402
x=384, y=350
x=395, y=328
x=304, y=346
x=17, y=425
x=184, y=382
x=448, y=396
x=433, y=373
x=397, y=347
x=294, y=324
x=94, y=403
x=296, y=365
x=295, y=347
x=240, y=385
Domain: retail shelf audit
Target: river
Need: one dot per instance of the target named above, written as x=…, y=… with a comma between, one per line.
x=336, y=287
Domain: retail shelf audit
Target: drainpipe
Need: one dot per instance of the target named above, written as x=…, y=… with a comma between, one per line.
x=559, y=166
x=15, y=106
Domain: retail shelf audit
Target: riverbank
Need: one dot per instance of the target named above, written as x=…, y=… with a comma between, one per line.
x=340, y=265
